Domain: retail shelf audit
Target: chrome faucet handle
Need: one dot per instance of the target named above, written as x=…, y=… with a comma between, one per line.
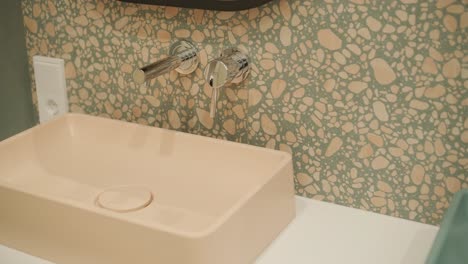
x=183, y=57
x=231, y=67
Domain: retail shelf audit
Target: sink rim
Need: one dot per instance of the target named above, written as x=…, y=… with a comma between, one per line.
x=213, y=227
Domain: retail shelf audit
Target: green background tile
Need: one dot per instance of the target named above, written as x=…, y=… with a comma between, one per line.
x=16, y=110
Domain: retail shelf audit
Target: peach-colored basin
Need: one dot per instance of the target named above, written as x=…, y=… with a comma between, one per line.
x=86, y=190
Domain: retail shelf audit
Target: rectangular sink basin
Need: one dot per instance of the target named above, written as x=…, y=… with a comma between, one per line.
x=83, y=189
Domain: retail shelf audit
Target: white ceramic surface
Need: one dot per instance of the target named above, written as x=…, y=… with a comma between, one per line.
x=329, y=234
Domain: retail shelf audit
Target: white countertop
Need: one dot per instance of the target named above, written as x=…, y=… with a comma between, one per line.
x=326, y=233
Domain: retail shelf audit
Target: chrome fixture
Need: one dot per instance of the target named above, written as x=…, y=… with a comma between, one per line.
x=231, y=67
x=183, y=57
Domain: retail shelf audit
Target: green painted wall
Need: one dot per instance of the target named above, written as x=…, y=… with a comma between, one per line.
x=16, y=109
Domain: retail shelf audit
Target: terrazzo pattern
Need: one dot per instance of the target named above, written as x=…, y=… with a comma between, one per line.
x=369, y=96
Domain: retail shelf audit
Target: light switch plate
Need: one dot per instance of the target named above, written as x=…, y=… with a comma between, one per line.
x=51, y=87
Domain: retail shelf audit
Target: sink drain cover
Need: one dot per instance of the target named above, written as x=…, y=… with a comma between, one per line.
x=124, y=198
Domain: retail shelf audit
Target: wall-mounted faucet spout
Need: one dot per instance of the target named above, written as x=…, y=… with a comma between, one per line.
x=183, y=58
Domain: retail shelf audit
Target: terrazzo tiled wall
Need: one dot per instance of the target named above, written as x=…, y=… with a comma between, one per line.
x=369, y=96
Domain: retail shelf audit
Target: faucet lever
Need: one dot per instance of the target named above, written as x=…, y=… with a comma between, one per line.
x=214, y=101
x=231, y=67
x=183, y=58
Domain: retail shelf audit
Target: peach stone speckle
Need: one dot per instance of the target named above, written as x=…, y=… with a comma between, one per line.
x=380, y=111
x=268, y=125
x=417, y=174
x=383, y=73
x=334, y=146
x=380, y=163
x=329, y=39
x=452, y=68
